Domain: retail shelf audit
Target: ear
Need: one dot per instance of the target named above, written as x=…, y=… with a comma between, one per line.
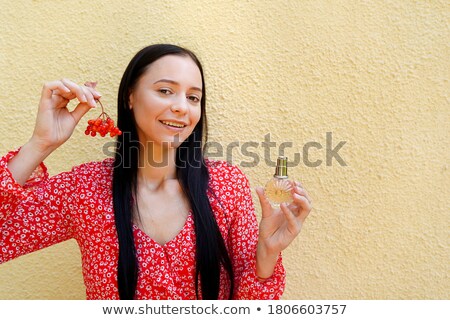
x=131, y=100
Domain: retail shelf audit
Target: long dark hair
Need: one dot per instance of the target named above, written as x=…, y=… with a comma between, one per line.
x=192, y=173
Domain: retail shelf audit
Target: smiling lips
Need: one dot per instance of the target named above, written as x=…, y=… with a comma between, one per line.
x=173, y=124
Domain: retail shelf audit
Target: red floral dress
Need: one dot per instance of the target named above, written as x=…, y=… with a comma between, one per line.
x=78, y=204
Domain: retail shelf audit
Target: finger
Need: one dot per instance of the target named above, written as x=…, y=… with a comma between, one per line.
x=304, y=204
x=65, y=95
x=97, y=95
x=75, y=88
x=303, y=192
x=89, y=96
x=298, y=184
x=80, y=110
x=61, y=102
x=300, y=200
x=91, y=86
x=53, y=86
x=265, y=204
x=294, y=223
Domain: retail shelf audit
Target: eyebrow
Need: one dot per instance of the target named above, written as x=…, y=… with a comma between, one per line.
x=176, y=83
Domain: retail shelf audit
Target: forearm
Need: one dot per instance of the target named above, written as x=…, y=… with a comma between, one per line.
x=27, y=159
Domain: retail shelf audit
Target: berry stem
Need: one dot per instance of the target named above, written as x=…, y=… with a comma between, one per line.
x=103, y=115
x=102, y=125
x=101, y=105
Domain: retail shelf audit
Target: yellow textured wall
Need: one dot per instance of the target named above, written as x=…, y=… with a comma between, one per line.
x=374, y=73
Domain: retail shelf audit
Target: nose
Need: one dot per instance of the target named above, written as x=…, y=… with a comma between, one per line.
x=179, y=107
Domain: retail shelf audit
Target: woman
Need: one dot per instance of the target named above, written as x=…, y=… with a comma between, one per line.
x=159, y=221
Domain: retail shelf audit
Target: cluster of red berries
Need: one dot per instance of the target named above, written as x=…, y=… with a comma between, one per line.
x=102, y=125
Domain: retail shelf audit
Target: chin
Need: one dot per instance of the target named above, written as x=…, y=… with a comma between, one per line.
x=172, y=142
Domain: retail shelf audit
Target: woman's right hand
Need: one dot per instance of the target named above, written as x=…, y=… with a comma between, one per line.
x=54, y=122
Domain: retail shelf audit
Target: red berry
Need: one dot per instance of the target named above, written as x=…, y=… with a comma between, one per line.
x=102, y=125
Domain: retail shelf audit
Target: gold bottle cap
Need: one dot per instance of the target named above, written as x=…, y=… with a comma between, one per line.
x=281, y=169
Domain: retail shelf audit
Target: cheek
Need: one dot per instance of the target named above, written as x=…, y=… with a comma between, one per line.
x=195, y=116
x=144, y=117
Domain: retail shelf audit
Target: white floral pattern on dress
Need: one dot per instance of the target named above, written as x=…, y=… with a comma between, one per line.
x=78, y=204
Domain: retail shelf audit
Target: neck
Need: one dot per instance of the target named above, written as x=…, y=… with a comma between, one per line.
x=156, y=165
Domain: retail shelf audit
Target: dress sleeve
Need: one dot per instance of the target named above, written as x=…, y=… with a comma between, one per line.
x=243, y=242
x=35, y=215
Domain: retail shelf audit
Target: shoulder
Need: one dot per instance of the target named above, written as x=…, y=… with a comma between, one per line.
x=230, y=192
x=223, y=171
x=227, y=179
x=95, y=166
x=94, y=171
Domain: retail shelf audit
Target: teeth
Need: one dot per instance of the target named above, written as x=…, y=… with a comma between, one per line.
x=173, y=124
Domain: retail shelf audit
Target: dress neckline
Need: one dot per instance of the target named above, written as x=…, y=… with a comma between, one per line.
x=146, y=237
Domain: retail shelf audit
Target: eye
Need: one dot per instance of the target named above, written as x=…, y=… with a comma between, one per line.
x=165, y=91
x=194, y=98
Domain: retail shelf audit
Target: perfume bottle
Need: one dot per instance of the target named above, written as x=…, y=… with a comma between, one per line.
x=278, y=189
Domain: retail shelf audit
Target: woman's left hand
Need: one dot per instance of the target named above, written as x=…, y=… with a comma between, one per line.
x=279, y=226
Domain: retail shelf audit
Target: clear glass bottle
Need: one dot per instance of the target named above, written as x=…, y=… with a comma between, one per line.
x=278, y=189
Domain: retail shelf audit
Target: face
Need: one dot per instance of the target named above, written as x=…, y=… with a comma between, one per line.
x=166, y=101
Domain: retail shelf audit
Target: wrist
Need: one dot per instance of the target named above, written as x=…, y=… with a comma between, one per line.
x=26, y=160
x=265, y=262
x=265, y=250
x=37, y=149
